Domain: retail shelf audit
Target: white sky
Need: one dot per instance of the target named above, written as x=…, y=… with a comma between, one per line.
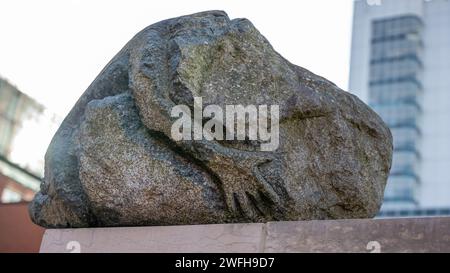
x=53, y=49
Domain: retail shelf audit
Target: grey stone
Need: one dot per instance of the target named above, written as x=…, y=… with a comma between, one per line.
x=113, y=161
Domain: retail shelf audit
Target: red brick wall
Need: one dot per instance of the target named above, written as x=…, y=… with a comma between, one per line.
x=17, y=232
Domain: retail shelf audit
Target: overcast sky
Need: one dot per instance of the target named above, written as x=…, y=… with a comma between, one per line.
x=53, y=49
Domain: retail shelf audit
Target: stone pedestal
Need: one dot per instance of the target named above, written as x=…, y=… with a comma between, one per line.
x=384, y=235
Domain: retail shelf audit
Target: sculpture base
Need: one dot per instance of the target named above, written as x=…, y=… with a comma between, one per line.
x=382, y=235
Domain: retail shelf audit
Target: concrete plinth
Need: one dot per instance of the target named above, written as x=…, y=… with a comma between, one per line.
x=386, y=235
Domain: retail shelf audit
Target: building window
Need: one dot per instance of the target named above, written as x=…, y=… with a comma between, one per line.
x=10, y=196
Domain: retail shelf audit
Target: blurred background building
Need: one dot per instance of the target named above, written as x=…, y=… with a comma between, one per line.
x=25, y=130
x=400, y=66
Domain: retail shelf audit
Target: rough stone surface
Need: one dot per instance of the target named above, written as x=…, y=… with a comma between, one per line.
x=113, y=162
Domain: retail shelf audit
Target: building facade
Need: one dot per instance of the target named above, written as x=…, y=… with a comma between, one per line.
x=25, y=129
x=400, y=66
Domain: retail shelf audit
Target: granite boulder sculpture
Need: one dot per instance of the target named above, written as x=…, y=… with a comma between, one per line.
x=113, y=161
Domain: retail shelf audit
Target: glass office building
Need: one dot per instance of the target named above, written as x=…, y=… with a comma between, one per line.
x=400, y=66
x=395, y=89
